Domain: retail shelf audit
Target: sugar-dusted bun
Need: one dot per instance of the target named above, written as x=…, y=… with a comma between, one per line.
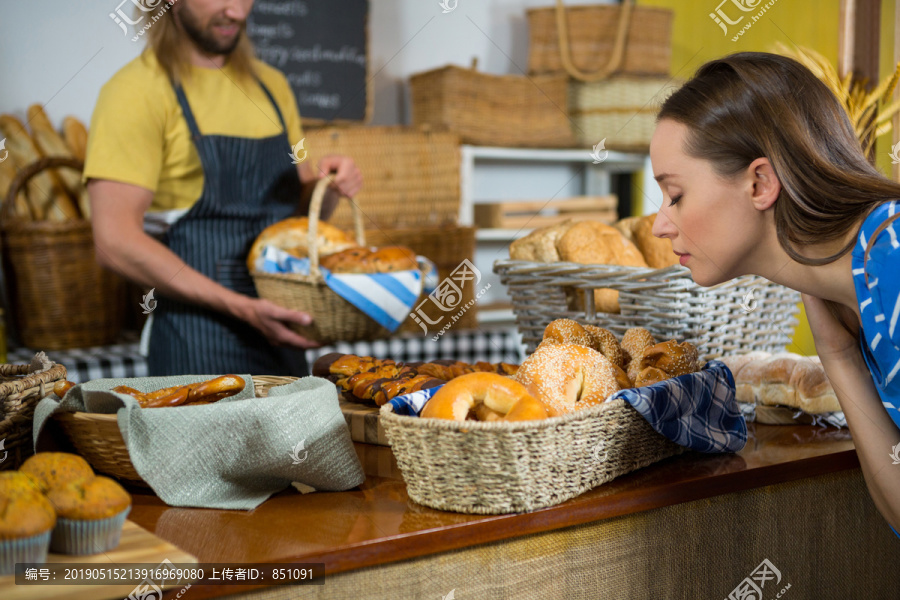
x=458, y=400
x=567, y=331
x=634, y=342
x=292, y=236
x=606, y=343
x=657, y=252
x=649, y=376
x=540, y=244
x=568, y=377
x=673, y=358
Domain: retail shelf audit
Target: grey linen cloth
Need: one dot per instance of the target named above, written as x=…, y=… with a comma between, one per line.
x=233, y=453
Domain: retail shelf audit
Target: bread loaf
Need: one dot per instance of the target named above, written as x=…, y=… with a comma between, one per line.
x=76, y=136
x=292, y=236
x=50, y=143
x=364, y=260
x=540, y=244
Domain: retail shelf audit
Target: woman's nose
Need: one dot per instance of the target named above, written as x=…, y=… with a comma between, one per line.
x=662, y=226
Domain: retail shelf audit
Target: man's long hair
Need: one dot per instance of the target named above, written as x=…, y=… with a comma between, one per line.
x=169, y=43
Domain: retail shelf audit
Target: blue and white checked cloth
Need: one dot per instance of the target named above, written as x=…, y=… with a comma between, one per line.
x=697, y=411
x=386, y=297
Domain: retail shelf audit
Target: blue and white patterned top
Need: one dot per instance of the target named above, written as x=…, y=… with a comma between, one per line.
x=879, y=304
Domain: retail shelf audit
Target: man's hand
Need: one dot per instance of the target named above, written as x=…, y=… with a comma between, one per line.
x=832, y=339
x=273, y=321
x=347, y=176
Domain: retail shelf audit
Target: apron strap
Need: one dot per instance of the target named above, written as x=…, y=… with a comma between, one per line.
x=189, y=114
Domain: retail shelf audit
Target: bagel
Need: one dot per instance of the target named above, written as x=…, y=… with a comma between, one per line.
x=606, y=343
x=459, y=400
x=568, y=377
x=634, y=342
x=649, y=376
x=567, y=331
x=672, y=357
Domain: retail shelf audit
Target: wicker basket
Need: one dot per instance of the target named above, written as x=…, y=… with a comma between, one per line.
x=20, y=392
x=411, y=175
x=493, y=468
x=493, y=110
x=746, y=313
x=63, y=298
x=446, y=247
x=98, y=439
x=333, y=318
x=622, y=110
x=599, y=39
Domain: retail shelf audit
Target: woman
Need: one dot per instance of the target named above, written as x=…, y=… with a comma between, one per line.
x=762, y=173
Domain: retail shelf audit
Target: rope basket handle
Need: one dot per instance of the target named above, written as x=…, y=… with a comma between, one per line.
x=315, y=208
x=565, y=51
x=24, y=176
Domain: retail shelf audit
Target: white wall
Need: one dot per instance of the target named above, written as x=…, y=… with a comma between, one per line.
x=59, y=52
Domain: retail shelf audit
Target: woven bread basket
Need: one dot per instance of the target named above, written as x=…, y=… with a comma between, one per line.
x=495, y=468
x=746, y=313
x=333, y=318
x=97, y=437
x=62, y=297
x=20, y=391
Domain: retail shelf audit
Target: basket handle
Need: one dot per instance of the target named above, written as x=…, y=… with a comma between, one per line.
x=24, y=176
x=565, y=51
x=315, y=208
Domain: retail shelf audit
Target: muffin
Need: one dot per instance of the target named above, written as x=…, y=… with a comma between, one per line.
x=56, y=468
x=26, y=521
x=91, y=512
x=15, y=483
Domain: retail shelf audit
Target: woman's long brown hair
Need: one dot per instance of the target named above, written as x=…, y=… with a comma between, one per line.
x=167, y=40
x=753, y=104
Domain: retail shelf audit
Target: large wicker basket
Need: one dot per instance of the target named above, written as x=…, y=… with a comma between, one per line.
x=21, y=388
x=446, y=247
x=410, y=175
x=493, y=468
x=61, y=297
x=493, y=110
x=622, y=110
x=333, y=318
x=747, y=313
x=98, y=439
x=599, y=39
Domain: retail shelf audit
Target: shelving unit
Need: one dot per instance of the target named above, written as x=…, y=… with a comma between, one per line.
x=491, y=174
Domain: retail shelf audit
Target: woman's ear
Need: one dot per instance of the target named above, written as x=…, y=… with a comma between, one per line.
x=766, y=186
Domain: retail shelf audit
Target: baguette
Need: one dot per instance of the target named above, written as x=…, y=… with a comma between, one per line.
x=47, y=201
x=50, y=143
x=76, y=136
x=21, y=209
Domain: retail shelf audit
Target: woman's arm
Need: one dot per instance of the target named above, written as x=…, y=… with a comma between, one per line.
x=874, y=432
x=123, y=247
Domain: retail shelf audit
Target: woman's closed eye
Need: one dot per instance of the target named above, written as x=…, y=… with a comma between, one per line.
x=675, y=199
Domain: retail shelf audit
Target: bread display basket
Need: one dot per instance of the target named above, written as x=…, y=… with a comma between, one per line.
x=333, y=318
x=21, y=388
x=97, y=437
x=504, y=467
x=746, y=313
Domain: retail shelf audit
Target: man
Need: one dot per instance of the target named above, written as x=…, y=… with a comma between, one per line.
x=199, y=133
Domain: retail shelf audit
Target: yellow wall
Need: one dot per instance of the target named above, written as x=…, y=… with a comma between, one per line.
x=696, y=38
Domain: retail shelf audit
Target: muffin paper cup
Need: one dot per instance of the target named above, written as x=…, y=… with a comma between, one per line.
x=31, y=550
x=77, y=536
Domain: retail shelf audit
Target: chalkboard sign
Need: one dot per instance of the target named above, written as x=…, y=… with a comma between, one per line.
x=322, y=48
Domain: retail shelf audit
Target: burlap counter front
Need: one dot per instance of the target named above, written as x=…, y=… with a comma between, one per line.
x=823, y=534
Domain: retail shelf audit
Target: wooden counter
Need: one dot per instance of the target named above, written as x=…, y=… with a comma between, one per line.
x=377, y=524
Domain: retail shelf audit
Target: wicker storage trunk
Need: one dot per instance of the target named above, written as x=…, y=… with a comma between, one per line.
x=493, y=110
x=592, y=36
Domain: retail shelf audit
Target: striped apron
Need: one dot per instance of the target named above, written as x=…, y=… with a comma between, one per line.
x=248, y=185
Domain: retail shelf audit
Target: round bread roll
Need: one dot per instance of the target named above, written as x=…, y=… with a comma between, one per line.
x=606, y=343
x=507, y=399
x=540, y=244
x=292, y=236
x=657, y=252
x=364, y=260
x=673, y=358
x=626, y=227
x=568, y=377
x=567, y=331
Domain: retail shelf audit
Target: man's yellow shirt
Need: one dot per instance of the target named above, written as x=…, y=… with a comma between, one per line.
x=138, y=134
